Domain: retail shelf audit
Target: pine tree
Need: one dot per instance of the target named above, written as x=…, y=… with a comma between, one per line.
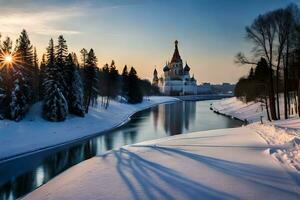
x=75, y=98
x=61, y=53
x=42, y=76
x=25, y=54
x=125, y=82
x=36, y=74
x=18, y=105
x=135, y=94
x=2, y=90
x=14, y=84
x=75, y=60
x=113, y=85
x=2, y=97
x=55, y=107
x=90, y=80
x=84, y=55
x=104, y=84
x=7, y=46
x=6, y=81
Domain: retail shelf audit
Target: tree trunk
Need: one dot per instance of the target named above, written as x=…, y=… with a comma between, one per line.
x=285, y=97
x=285, y=71
x=107, y=102
x=272, y=95
x=277, y=93
x=88, y=103
x=267, y=108
x=298, y=97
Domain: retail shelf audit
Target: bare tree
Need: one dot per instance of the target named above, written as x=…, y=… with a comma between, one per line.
x=262, y=33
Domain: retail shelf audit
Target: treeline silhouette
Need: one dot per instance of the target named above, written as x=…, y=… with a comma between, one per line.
x=62, y=82
x=275, y=37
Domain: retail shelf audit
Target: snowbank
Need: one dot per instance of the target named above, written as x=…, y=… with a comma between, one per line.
x=217, y=164
x=233, y=107
x=286, y=140
x=34, y=133
x=282, y=133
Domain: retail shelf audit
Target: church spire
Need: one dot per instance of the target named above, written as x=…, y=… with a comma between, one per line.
x=176, y=56
x=155, y=78
x=155, y=72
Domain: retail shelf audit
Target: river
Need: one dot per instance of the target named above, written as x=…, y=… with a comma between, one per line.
x=21, y=175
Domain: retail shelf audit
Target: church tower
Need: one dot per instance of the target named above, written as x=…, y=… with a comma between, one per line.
x=176, y=66
x=177, y=80
x=155, y=78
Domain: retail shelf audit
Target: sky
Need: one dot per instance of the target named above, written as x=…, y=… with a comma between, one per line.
x=141, y=33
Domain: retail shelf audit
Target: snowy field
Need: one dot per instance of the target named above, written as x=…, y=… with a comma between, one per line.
x=285, y=133
x=217, y=164
x=34, y=133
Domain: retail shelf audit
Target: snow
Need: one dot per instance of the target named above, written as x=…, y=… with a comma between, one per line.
x=284, y=134
x=34, y=133
x=233, y=107
x=287, y=141
x=217, y=164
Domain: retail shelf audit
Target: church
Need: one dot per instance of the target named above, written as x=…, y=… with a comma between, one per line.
x=176, y=79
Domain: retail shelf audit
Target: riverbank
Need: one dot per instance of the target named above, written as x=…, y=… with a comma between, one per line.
x=285, y=133
x=218, y=164
x=232, y=107
x=34, y=133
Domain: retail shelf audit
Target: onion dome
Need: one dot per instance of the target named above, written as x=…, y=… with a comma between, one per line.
x=186, y=68
x=166, y=68
x=176, y=56
x=193, y=78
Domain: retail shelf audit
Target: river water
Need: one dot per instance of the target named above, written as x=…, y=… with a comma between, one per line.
x=22, y=175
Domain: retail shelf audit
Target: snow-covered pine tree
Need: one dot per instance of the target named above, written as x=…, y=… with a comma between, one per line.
x=15, y=90
x=19, y=93
x=90, y=80
x=74, y=83
x=55, y=106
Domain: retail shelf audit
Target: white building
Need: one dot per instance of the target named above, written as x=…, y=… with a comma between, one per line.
x=205, y=88
x=177, y=79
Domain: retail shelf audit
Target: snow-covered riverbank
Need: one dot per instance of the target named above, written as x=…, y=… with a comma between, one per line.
x=34, y=133
x=285, y=133
x=217, y=164
x=233, y=107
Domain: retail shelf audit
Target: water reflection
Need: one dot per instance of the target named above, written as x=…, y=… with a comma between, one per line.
x=21, y=176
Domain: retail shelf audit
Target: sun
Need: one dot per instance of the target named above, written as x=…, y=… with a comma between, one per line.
x=8, y=59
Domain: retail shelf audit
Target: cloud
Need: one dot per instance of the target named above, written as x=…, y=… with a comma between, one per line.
x=51, y=17
x=48, y=21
